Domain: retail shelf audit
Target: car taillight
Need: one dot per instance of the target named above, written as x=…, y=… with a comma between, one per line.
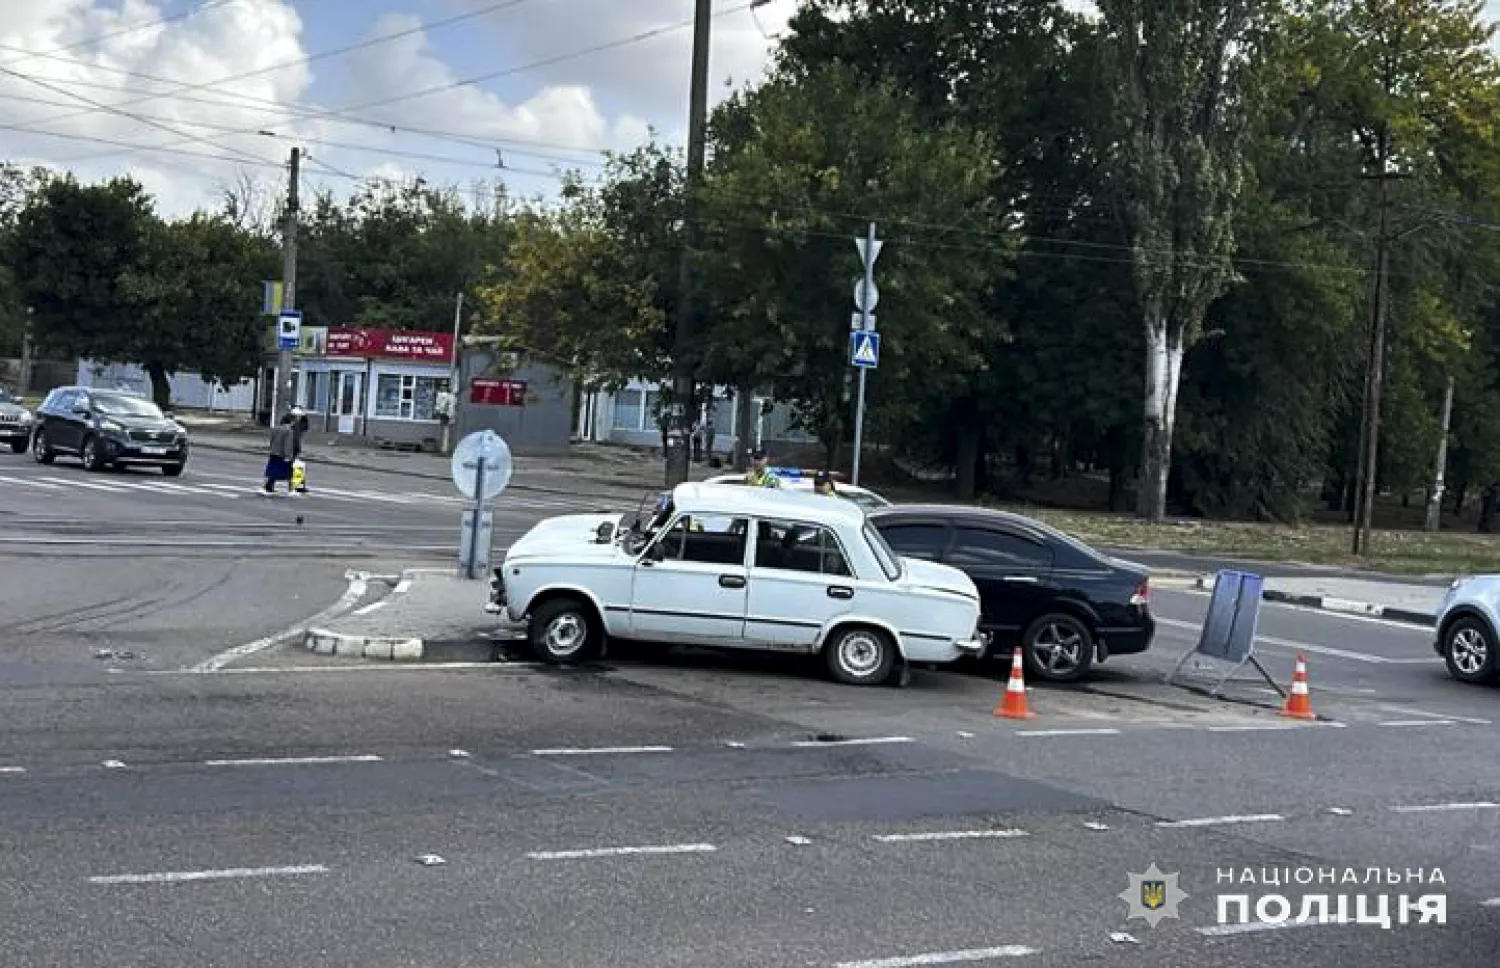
x=1142, y=594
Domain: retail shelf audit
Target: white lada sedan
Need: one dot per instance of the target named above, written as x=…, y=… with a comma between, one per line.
x=737, y=569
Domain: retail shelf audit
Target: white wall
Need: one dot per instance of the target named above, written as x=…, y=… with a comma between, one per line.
x=188, y=389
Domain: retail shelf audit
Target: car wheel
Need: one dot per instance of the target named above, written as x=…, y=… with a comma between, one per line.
x=174, y=470
x=1469, y=649
x=860, y=656
x=562, y=631
x=1058, y=648
x=18, y=446
x=41, y=450
x=93, y=459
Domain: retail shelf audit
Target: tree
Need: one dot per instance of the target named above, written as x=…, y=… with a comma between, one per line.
x=200, y=300
x=798, y=167
x=74, y=252
x=1176, y=77
x=593, y=284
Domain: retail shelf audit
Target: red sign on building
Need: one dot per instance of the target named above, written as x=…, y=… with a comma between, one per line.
x=390, y=344
x=498, y=393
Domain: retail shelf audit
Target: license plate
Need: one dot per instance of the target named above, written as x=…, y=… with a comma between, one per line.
x=154, y=451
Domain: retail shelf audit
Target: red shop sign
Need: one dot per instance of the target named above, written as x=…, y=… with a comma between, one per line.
x=498, y=393
x=391, y=344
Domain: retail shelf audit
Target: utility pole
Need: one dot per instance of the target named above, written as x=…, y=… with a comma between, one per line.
x=684, y=380
x=453, y=379
x=281, y=400
x=864, y=345
x=1435, y=501
x=1365, y=490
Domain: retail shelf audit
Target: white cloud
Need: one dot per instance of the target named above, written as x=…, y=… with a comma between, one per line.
x=53, y=94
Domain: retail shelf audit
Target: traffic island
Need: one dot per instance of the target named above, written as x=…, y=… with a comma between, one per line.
x=431, y=615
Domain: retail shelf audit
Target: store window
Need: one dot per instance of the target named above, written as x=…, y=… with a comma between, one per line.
x=628, y=410
x=405, y=397
x=652, y=418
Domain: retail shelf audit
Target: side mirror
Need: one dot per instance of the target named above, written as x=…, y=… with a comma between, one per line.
x=169, y=415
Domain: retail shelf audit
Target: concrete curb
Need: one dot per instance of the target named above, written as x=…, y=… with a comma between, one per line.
x=324, y=642
x=1329, y=603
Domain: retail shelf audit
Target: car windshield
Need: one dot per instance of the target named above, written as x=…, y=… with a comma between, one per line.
x=126, y=406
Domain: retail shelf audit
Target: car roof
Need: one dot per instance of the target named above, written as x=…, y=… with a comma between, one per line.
x=966, y=513
x=804, y=482
x=764, y=502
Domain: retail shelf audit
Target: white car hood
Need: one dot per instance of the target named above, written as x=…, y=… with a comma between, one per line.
x=566, y=536
x=920, y=573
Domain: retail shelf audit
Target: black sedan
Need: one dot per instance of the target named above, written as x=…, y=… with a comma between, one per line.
x=1066, y=604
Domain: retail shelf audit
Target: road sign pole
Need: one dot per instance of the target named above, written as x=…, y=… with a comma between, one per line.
x=476, y=526
x=868, y=253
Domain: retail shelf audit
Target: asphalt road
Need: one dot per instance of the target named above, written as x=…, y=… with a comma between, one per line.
x=692, y=809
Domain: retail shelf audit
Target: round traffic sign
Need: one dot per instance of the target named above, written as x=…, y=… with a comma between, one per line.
x=486, y=446
x=866, y=298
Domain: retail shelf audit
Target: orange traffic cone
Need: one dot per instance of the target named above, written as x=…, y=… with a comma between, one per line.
x=1299, y=703
x=1013, y=706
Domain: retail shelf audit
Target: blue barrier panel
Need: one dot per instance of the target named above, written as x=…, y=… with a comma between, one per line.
x=1233, y=614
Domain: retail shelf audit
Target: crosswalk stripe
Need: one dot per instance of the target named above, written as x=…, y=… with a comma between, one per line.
x=28, y=481
x=110, y=488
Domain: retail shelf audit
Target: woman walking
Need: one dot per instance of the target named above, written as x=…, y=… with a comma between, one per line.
x=283, y=450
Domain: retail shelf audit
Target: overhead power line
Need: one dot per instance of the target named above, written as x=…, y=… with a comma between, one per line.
x=123, y=31
x=311, y=58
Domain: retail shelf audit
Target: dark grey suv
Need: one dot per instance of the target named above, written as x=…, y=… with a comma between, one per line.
x=108, y=428
x=15, y=422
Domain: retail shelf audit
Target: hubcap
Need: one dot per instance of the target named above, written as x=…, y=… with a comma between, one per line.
x=859, y=653
x=565, y=634
x=1059, y=648
x=1469, y=651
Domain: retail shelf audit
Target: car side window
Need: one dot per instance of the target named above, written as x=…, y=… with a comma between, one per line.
x=927, y=541
x=710, y=540
x=788, y=546
x=982, y=547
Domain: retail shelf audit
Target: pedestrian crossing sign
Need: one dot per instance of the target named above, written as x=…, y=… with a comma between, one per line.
x=864, y=350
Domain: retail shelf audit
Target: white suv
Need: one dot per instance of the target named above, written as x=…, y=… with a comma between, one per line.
x=738, y=569
x=1466, y=624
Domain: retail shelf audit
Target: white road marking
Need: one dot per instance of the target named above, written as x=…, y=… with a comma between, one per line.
x=965, y=734
x=358, y=584
x=459, y=753
x=27, y=481
x=176, y=877
x=1490, y=902
x=12, y=769
x=799, y=840
x=1216, y=821
x=295, y=760
x=950, y=835
x=372, y=607
x=1410, y=711
x=589, y=751
x=734, y=744
x=113, y=765
x=1095, y=825
x=1341, y=811
x=943, y=957
x=621, y=851
x=66, y=482
x=1223, y=930
x=1418, y=722
x=1067, y=732
x=1443, y=807
x=1309, y=647
x=1305, y=610
x=872, y=741
x=402, y=587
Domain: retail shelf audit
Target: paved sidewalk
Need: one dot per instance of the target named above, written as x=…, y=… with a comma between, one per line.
x=431, y=615
x=1392, y=599
x=582, y=468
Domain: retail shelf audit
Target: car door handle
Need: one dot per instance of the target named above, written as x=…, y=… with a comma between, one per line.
x=731, y=581
x=1027, y=579
x=840, y=591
